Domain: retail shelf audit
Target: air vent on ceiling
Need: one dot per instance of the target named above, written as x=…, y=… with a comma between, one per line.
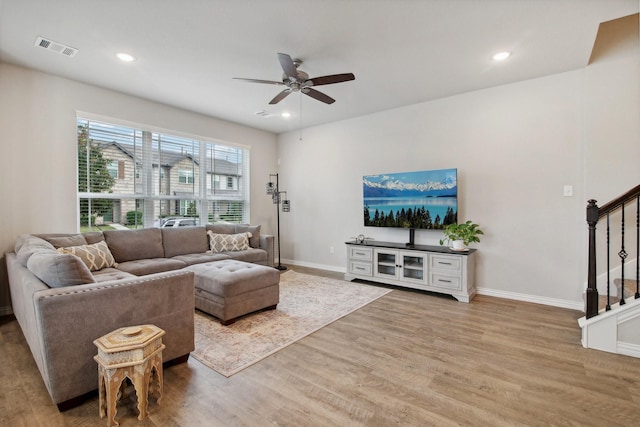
x=263, y=113
x=56, y=47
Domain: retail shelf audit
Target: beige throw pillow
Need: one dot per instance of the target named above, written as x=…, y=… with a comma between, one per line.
x=228, y=242
x=254, y=240
x=96, y=256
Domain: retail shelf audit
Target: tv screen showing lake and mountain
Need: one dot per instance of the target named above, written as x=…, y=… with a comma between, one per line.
x=423, y=199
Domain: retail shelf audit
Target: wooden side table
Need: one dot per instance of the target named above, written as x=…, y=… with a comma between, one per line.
x=135, y=353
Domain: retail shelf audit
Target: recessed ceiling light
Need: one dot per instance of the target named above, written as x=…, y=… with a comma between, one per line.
x=286, y=114
x=501, y=56
x=125, y=57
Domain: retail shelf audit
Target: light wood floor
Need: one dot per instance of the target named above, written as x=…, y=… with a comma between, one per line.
x=407, y=359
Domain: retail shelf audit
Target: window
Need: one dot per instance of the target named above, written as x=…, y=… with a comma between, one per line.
x=187, y=208
x=136, y=177
x=116, y=169
x=112, y=168
x=185, y=177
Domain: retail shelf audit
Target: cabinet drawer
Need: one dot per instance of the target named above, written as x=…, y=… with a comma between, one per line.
x=360, y=268
x=444, y=262
x=444, y=281
x=365, y=254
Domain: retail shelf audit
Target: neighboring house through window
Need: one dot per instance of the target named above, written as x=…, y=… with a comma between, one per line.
x=136, y=176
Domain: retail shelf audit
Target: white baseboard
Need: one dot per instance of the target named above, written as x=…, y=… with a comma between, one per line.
x=628, y=349
x=5, y=311
x=312, y=265
x=555, y=302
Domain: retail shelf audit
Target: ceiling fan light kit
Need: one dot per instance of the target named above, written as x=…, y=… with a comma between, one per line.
x=297, y=80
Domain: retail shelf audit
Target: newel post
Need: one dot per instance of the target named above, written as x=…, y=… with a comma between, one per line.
x=592, y=289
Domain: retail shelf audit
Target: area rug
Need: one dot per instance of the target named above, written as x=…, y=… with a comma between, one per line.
x=307, y=303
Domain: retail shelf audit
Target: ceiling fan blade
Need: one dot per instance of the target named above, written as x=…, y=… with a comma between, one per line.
x=318, y=95
x=288, y=66
x=269, y=82
x=334, y=78
x=279, y=97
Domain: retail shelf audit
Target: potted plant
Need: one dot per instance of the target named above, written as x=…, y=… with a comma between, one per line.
x=458, y=236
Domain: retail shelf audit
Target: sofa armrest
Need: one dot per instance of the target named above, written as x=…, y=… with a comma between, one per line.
x=266, y=243
x=69, y=319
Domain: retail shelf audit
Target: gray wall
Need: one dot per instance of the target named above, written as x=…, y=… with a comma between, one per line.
x=515, y=147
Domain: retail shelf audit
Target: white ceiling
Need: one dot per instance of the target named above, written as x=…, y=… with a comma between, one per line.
x=401, y=51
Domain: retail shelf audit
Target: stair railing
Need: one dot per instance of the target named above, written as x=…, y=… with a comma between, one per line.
x=594, y=214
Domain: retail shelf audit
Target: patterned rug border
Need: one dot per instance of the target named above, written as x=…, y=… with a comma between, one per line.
x=291, y=276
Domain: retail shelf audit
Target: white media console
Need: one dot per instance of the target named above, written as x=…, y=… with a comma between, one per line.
x=430, y=268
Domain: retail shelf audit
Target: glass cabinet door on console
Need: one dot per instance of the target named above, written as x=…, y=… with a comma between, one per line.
x=403, y=265
x=385, y=263
x=414, y=267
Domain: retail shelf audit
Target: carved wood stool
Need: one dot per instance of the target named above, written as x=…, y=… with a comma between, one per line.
x=135, y=353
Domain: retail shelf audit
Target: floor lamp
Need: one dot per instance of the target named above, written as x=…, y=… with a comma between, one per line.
x=276, y=195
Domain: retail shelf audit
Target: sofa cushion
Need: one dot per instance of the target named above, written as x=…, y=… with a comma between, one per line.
x=254, y=240
x=27, y=245
x=58, y=270
x=96, y=256
x=184, y=240
x=257, y=256
x=129, y=245
x=21, y=240
x=110, y=273
x=142, y=267
x=228, y=242
x=222, y=228
x=93, y=237
x=191, y=259
x=61, y=241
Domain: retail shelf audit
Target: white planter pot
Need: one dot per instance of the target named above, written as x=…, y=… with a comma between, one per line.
x=458, y=245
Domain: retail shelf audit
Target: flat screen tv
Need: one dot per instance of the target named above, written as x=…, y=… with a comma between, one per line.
x=415, y=200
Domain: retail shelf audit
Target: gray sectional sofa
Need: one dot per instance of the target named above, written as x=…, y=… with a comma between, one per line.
x=67, y=290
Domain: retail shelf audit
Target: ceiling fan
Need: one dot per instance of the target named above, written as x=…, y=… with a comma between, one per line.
x=298, y=81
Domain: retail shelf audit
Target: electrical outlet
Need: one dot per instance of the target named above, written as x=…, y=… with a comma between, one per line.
x=331, y=249
x=568, y=190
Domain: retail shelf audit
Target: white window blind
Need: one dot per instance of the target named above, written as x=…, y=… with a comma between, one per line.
x=159, y=176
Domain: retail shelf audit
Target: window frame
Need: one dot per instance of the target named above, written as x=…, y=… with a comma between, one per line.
x=210, y=203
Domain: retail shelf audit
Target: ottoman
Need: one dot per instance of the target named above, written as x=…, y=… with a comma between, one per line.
x=229, y=289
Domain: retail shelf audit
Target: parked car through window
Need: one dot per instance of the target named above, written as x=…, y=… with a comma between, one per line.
x=179, y=222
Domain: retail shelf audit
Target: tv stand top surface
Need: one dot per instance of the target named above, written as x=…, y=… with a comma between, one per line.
x=396, y=245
